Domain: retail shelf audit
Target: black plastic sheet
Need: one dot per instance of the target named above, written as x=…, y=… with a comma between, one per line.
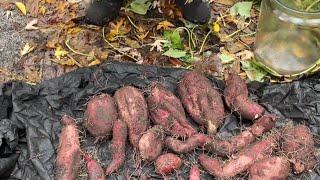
x=30, y=116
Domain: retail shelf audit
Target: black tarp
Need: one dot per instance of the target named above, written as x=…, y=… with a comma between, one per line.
x=30, y=116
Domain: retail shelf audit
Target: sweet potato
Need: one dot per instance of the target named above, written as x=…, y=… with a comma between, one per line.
x=166, y=110
x=235, y=86
x=236, y=143
x=298, y=146
x=95, y=171
x=247, y=109
x=179, y=147
x=167, y=163
x=151, y=143
x=202, y=101
x=194, y=173
x=68, y=157
x=133, y=110
x=242, y=161
x=100, y=115
x=236, y=96
x=118, y=146
x=272, y=168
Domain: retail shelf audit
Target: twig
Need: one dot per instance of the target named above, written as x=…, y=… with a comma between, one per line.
x=239, y=30
x=204, y=41
x=77, y=52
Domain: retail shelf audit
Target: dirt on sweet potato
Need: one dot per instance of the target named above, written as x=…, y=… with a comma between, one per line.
x=95, y=171
x=118, y=146
x=202, y=101
x=133, y=110
x=167, y=163
x=242, y=160
x=271, y=168
x=100, y=115
x=193, y=142
x=68, y=156
x=298, y=146
x=166, y=110
x=151, y=143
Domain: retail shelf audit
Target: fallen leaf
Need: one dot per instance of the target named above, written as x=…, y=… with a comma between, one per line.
x=95, y=62
x=26, y=49
x=140, y=6
x=225, y=58
x=132, y=43
x=253, y=71
x=60, y=52
x=158, y=44
x=42, y=10
x=165, y=25
x=175, y=53
x=21, y=7
x=241, y=8
x=216, y=27
x=30, y=25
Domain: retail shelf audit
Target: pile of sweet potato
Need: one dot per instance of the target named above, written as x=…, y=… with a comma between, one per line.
x=156, y=125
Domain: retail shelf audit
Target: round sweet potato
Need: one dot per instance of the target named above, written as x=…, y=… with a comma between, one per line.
x=151, y=143
x=167, y=163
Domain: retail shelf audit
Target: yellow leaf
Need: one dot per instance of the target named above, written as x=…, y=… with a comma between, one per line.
x=95, y=62
x=165, y=25
x=117, y=29
x=21, y=7
x=60, y=52
x=26, y=49
x=216, y=27
x=42, y=10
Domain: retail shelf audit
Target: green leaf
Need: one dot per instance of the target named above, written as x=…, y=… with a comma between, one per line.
x=140, y=6
x=253, y=71
x=189, y=59
x=241, y=8
x=175, y=53
x=175, y=39
x=225, y=59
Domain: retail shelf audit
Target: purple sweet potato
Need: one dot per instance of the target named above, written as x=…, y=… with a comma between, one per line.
x=235, y=86
x=237, y=98
x=194, y=173
x=100, y=115
x=272, y=168
x=179, y=147
x=243, y=160
x=298, y=146
x=118, y=146
x=151, y=143
x=68, y=157
x=95, y=171
x=167, y=163
x=202, y=101
x=166, y=110
x=245, y=138
x=132, y=108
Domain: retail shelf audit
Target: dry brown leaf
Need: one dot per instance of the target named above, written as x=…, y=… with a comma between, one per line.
x=31, y=25
x=165, y=25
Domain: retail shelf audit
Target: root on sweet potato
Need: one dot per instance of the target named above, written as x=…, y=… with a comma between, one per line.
x=132, y=109
x=167, y=163
x=68, y=157
x=166, y=110
x=100, y=115
x=244, y=139
x=151, y=143
x=118, y=146
x=270, y=168
x=298, y=146
x=180, y=147
x=194, y=173
x=202, y=101
x=242, y=161
x=95, y=171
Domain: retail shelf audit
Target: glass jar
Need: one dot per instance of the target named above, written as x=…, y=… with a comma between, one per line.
x=288, y=39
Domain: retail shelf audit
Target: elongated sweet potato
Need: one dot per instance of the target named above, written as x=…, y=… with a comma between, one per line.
x=202, y=101
x=133, y=110
x=151, y=143
x=272, y=168
x=100, y=115
x=68, y=157
x=118, y=146
x=194, y=173
x=179, y=147
x=95, y=171
x=235, y=86
x=237, y=98
x=166, y=110
x=242, y=161
x=244, y=139
x=167, y=163
x=298, y=145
